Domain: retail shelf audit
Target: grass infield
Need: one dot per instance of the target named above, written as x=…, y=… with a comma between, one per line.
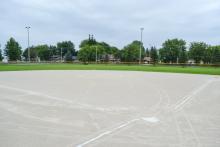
x=150, y=68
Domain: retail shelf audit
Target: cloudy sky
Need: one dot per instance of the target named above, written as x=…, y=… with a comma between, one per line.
x=116, y=21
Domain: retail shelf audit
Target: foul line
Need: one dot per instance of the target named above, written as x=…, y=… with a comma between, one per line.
x=189, y=97
x=107, y=132
x=29, y=92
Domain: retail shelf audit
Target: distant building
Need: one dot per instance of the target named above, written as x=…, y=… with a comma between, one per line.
x=147, y=60
x=56, y=58
x=74, y=58
x=112, y=58
x=109, y=58
x=191, y=61
x=5, y=60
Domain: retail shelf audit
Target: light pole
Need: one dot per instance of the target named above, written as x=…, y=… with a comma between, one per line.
x=96, y=55
x=142, y=29
x=61, y=52
x=29, y=58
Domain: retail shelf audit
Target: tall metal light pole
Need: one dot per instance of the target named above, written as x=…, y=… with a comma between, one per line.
x=29, y=58
x=96, y=55
x=61, y=54
x=142, y=29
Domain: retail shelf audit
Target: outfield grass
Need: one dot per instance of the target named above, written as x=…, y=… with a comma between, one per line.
x=151, y=68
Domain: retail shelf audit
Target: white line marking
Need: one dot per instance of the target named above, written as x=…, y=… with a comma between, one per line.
x=12, y=109
x=35, y=93
x=178, y=106
x=192, y=129
x=64, y=100
x=107, y=133
x=180, y=135
x=189, y=97
x=151, y=119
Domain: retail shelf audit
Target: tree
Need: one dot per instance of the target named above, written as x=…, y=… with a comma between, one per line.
x=147, y=53
x=115, y=52
x=197, y=51
x=33, y=54
x=88, y=48
x=215, y=54
x=66, y=46
x=13, y=50
x=43, y=52
x=104, y=50
x=54, y=51
x=68, y=56
x=171, y=50
x=131, y=52
x=164, y=55
x=1, y=57
x=88, y=42
x=154, y=54
x=207, y=57
x=183, y=57
x=87, y=53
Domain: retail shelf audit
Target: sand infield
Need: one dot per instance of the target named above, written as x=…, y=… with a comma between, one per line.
x=108, y=108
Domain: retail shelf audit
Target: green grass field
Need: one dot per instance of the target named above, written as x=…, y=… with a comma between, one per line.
x=149, y=68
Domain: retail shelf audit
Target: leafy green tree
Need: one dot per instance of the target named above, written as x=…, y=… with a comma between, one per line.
x=197, y=51
x=115, y=52
x=183, y=56
x=13, y=50
x=1, y=57
x=33, y=54
x=104, y=50
x=40, y=51
x=53, y=50
x=87, y=54
x=154, y=54
x=131, y=52
x=68, y=56
x=66, y=46
x=207, y=57
x=171, y=50
x=88, y=48
x=147, y=53
x=43, y=52
x=83, y=54
x=88, y=42
x=164, y=55
x=215, y=55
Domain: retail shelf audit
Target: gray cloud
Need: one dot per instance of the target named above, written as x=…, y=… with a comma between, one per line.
x=116, y=22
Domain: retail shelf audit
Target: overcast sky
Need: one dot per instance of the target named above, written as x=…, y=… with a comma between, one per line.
x=116, y=22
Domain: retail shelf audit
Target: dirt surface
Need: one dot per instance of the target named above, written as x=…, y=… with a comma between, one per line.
x=108, y=108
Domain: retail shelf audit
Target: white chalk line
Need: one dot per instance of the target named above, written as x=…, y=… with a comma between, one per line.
x=146, y=119
x=178, y=106
x=189, y=97
x=30, y=92
x=63, y=100
x=180, y=135
x=154, y=119
x=192, y=129
x=107, y=132
x=12, y=109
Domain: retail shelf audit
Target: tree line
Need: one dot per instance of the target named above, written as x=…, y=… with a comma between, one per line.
x=172, y=51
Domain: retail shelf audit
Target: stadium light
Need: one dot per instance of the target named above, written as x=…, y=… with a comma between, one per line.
x=141, y=44
x=61, y=56
x=96, y=54
x=29, y=58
